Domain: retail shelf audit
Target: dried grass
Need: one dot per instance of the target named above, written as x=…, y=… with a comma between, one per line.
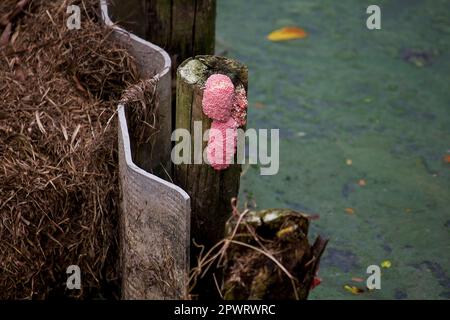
x=58, y=156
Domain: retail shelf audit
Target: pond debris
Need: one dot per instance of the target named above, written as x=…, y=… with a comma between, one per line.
x=349, y=210
x=446, y=159
x=259, y=105
x=354, y=290
x=418, y=58
x=287, y=33
x=265, y=255
x=357, y=279
x=316, y=281
x=386, y=264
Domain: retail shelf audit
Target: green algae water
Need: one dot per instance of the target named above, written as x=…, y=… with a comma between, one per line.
x=364, y=119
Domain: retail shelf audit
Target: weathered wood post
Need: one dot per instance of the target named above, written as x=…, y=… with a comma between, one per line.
x=210, y=190
x=184, y=28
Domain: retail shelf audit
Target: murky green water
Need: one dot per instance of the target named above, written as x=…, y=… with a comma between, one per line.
x=379, y=98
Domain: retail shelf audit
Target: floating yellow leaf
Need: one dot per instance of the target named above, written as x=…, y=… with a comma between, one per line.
x=386, y=264
x=353, y=289
x=349, y=162
x=350, y=210
x=362, y=182
x=287, y=33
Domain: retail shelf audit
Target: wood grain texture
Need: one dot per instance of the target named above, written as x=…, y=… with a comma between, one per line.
x=210, y=190
x=184, y=28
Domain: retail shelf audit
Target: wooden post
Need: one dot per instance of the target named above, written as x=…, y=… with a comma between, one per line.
x=130, y=15
x=184, y=28
x=210, y=190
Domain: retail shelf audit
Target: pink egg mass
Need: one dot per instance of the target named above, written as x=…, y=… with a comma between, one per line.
x=228, y=110
x=222, y=143
x=239, y=110
x=218, y=97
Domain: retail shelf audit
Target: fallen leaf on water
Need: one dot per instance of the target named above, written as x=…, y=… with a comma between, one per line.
x=386, y=264
x=357, y=279
x=316, y=281
x=362, y=182
x=349, y=162
x=447, y=158
x=258, y=105
x=287, y=33
x=353, y=289
x=349, y=210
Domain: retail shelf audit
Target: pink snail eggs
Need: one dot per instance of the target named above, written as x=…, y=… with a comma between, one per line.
x=218, y=97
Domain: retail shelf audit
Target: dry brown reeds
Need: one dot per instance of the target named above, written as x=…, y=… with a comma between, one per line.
x=59, y=194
